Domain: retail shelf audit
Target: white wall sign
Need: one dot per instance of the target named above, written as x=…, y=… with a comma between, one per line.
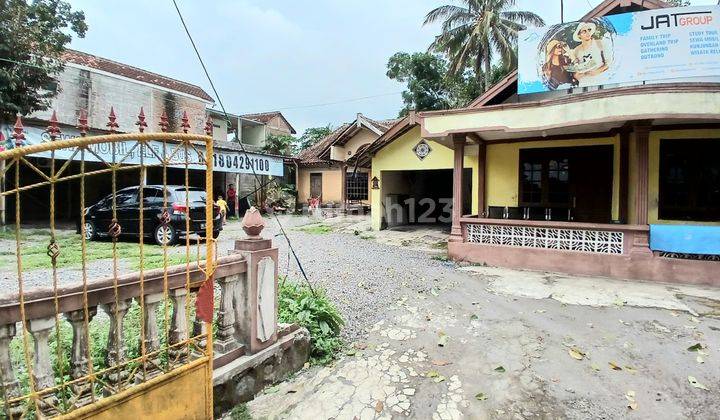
x=652, y=45
x=130, y=153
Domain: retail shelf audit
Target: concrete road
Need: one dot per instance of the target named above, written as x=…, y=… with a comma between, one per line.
x=447, y=342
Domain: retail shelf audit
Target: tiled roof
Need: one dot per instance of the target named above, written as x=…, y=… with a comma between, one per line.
x=319, y=152
x=311, y=155
x=103, y=64
x=264, y=117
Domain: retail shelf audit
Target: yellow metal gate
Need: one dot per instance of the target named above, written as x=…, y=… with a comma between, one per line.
x=121, y=338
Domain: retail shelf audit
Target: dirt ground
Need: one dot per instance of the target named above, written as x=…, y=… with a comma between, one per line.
x=482, y=342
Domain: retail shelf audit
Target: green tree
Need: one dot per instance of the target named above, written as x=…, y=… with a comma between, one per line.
x=33, y=36
x=424, y=75
x=474, y=32
x=311, y=136
x=279, y=144
x=429, y=85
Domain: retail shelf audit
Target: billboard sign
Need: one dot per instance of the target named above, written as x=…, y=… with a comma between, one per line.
x=129, y=153
x=652, y=45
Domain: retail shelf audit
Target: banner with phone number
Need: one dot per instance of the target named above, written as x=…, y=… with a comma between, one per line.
x=129, y=153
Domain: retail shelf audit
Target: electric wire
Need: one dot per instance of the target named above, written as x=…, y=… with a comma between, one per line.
x=242, y=147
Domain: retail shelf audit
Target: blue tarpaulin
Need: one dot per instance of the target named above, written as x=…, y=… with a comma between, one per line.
x=685, y=239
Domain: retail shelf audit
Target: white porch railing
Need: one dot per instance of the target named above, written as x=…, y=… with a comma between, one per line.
x=583, y=238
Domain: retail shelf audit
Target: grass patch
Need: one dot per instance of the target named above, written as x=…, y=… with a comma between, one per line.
x=318, y=229
x=367, y=237
x=443, y=258
x=34, y=251
x=316, y=313
x=440, y=245
x=240, y=412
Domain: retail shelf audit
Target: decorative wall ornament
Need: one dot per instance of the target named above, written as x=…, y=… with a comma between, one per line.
x=595, y=241
x=422, y=149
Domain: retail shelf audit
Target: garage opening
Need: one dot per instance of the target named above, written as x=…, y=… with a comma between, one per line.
x=421, y=197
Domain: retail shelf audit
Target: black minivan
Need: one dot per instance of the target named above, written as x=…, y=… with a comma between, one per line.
x=99, y=216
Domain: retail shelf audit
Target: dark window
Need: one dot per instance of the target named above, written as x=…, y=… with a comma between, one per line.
x=153, y=196
x=194, y=196
x=357, y=186
x=545, y=178
x=689, y=180
x=126, y=197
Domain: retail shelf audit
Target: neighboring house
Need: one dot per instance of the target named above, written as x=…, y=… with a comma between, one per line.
x=612, y=180
x=328, y=170
x=94, y=85
x=274, y=121
x=252, y=134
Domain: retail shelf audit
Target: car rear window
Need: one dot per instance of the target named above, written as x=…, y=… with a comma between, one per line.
x=195, y=196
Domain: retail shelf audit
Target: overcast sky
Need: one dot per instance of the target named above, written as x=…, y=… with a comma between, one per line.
x=318, y=61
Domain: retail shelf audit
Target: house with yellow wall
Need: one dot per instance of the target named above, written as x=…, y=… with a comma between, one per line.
x=329, y=170
x=618, y=180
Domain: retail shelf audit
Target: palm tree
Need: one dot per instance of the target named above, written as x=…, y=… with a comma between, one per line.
x=473, y=33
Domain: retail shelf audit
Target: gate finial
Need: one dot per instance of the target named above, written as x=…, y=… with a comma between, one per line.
x=185, y=124
x=83, y=123
x=164, y=125
x=18, y=133
x=141, y=121
x=209, y=126
x=53, y=129
x=112, y=125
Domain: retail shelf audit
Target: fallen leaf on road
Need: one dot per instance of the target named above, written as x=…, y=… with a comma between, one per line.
x=360, y=346
x=440, y=363
x=614, y=366
x=434, y=291
x=379, y=407
x=595, y=367
x=576, y=353
x=696, y=347
x=540, y=311
x=439, y=379
x=620, y=302
x=632, y=404
x=442, y=341
x=474, y=317
x=696, y=384
x=499, y=369
x=695, y=319
x=432, y=374
x=700, y=359
x=480, y=396
x=630, y=369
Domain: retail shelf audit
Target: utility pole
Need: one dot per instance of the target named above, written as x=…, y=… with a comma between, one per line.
x=562, y=11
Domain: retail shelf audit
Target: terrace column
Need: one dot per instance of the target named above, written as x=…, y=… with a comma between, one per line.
x=343, y=188
x=642, y=136
x=459, y=148
x=641, y=241
x=482, y=162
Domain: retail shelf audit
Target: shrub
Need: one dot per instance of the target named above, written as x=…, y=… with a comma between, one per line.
x=316, y=313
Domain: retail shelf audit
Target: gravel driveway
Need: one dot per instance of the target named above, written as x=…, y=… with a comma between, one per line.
x=513, y=345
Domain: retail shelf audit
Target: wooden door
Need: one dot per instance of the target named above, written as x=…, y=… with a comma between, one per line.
x=591, y=183
x=315, y=185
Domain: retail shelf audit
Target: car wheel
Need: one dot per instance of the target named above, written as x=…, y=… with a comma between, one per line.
x=165, y=235
x=90, y=231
